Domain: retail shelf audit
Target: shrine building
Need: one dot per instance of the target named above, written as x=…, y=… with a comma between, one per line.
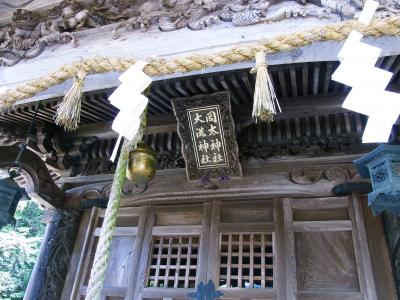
x=200, y=149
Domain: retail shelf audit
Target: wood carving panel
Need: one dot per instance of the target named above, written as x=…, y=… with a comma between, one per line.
x=325, y=261
x=30, y=32
x=55, y=258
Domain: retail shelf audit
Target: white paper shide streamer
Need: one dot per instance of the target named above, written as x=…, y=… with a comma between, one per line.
x=129, y=100
x=3, y=89
x=368, y=95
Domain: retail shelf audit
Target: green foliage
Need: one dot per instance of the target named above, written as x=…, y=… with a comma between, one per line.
x=18, y=250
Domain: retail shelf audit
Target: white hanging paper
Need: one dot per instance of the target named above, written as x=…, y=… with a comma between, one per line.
x=3, y=89
x=126, y=98
x=129, y=100
x=135, y=76
x=353, y=39
x=126, y=125
x=368, y=11
x=365, y=77
x=361, y=101
x=377, y=130
x=368, y=95
x=116, y=147
x=361, y=54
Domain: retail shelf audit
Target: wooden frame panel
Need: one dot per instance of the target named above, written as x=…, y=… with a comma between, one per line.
x=88, y=250
x=171, y=232
x=282, y=229
x=364, y=270
x=367, y=283
x=69, y=289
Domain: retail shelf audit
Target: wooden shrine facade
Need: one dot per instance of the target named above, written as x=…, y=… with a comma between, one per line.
x=275, y=233
x=271, y=229
x=281, y=248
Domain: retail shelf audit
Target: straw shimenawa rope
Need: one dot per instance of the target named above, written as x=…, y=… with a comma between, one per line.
x=388, y=26
x=335, y=32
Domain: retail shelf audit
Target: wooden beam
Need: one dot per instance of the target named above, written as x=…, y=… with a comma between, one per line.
x=172, y=44
x=299, y=107
x=247, y=168
x=342, y=225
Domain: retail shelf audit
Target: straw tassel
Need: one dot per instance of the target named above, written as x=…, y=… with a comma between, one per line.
x=265, y=101
x=69, y=110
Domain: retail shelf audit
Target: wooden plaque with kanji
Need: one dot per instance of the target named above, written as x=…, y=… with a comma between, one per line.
x=207, y=132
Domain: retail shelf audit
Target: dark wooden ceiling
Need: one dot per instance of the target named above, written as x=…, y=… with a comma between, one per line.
x=302, y=81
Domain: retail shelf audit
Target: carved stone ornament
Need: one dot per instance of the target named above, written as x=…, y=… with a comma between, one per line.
x=207, y=132
x=30, y=32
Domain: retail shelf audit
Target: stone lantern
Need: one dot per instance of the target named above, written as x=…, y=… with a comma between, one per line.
x=382, y=165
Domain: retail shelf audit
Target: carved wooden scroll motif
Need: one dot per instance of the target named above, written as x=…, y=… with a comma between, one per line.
x=207, y=132
x=30, y=32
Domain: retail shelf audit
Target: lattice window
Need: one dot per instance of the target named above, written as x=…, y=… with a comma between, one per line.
x=246, y=260
x=173, y=262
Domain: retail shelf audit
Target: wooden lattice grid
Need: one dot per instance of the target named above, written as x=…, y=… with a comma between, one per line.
x=246, y=260
x=173, y=262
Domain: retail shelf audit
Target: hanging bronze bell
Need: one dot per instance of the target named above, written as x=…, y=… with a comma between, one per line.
x=142, y=164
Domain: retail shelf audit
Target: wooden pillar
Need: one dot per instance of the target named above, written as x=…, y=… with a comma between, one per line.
x=372, y=245
x=392, y=232
x=51, y=267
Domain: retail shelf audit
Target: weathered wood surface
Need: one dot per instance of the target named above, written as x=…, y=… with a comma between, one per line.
x=153, y=43
x=144, y=255
x=81, y=244
x=359, y=228
x=379, y=253
x=279, y=247
x=7, y=7
x=301, y=107
x=282, y=178
x=204, y=242
x=318, y=282
x=54, y=259
x=213, y=251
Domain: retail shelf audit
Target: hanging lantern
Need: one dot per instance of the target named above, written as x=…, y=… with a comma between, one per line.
x=10, y=192
x=142, y=164
x=383, y=167
x=10, y=195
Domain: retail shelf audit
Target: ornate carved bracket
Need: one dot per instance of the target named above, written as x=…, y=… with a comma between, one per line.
x=35, y=175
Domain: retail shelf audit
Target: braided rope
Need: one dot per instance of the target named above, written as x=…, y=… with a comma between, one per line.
x=103, y=249
x=389, y=26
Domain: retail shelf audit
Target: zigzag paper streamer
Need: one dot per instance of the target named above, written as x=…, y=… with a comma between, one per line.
x=368, y=95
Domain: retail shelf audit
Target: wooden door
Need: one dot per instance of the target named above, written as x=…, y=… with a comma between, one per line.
x=315, y=248
x=123, y=255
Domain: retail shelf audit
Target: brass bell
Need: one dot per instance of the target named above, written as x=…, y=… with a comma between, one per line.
x=142, y=164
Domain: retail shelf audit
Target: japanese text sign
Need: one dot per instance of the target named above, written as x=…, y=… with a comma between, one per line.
x=206, y=129
x=208, y=138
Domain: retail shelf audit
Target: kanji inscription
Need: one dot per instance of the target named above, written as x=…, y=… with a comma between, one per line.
x=208, y=137
x=207, y=132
